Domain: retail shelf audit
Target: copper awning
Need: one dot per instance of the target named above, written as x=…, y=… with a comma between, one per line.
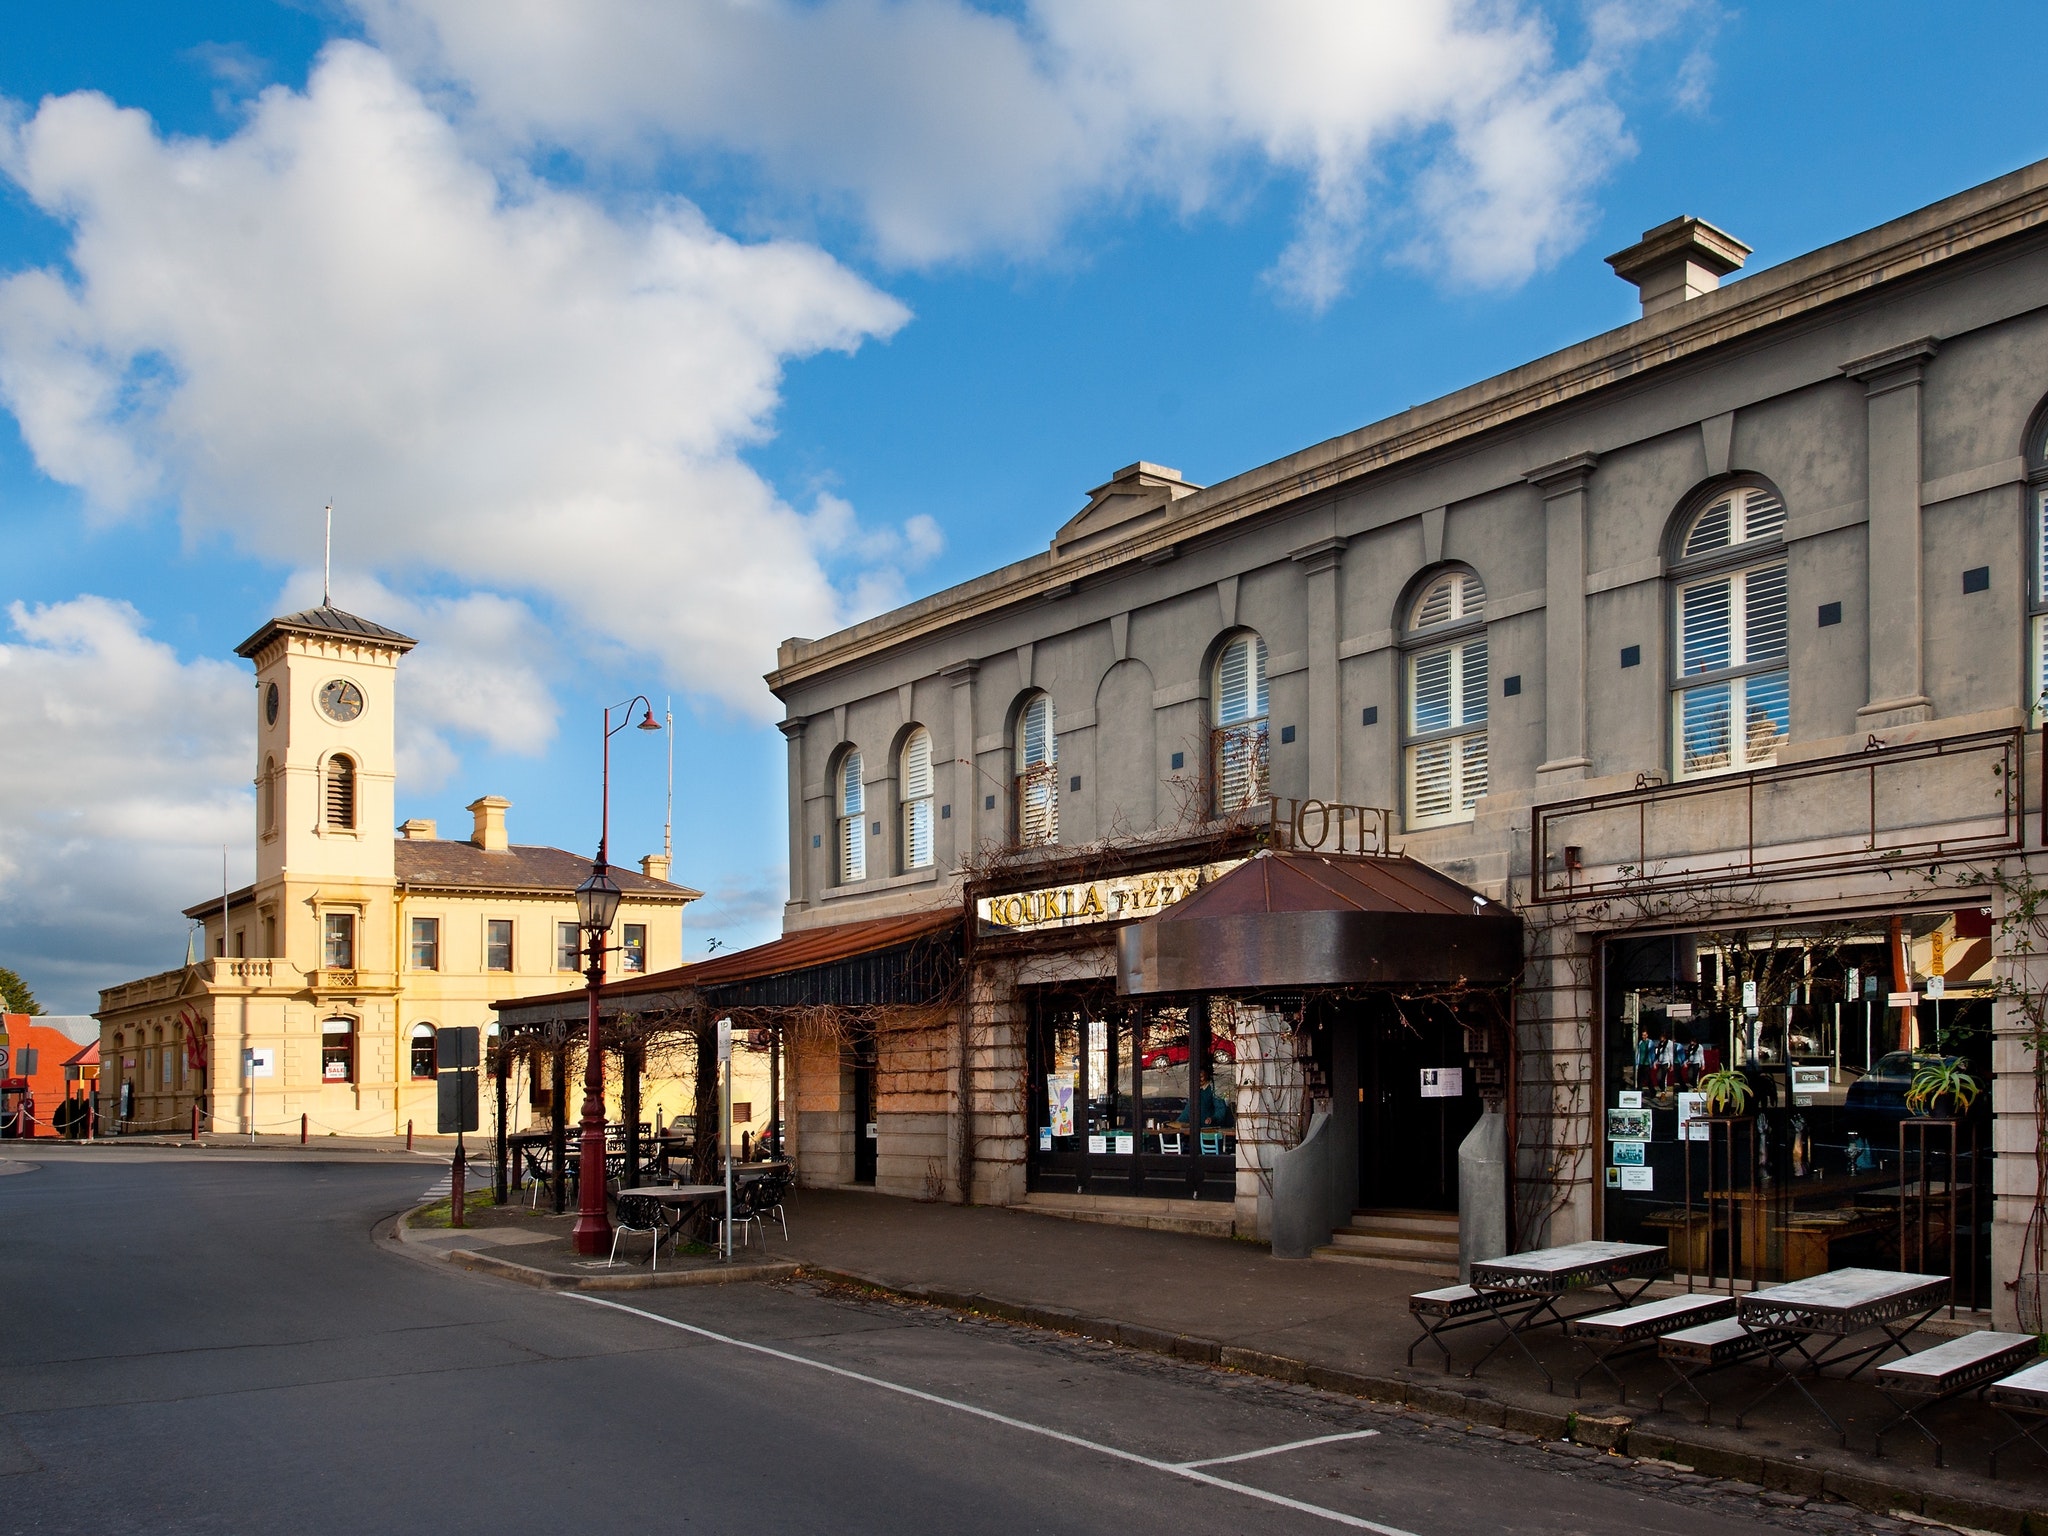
x=1287, y=920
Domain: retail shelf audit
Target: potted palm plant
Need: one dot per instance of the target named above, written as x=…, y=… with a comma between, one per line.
x=1942, y=1089
x=1727, y=1092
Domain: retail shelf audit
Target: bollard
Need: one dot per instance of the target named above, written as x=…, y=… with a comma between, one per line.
x=456, y=1196
x=195, y=1119
x=302, y=1130
x=408, y=1135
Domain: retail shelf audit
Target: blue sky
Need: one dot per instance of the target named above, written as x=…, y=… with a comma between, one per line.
x=630, y=337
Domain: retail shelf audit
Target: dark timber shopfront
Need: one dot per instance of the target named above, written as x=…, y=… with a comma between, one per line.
x=1355, y=1006
x=1832, y=1161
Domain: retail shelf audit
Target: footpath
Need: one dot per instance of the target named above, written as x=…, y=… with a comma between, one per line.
x=1336, y=1327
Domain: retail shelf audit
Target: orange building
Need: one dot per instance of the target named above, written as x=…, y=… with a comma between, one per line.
x=33, y=1083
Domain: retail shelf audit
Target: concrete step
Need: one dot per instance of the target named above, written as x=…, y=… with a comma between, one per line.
x=1440, y=1269
x=1394, y=1245
x=1408, y=1221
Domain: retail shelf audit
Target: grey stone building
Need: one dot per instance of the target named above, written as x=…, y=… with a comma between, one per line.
x=1707, y=647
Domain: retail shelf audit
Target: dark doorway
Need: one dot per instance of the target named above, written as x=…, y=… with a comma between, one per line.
x=864, y=1127
x=1416, y=1104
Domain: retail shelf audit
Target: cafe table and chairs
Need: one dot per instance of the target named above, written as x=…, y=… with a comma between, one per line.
x=1613, y=1274
x=1830, y=1318
x=666, y=1206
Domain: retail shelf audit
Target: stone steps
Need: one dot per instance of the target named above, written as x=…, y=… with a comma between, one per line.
x=1421, y=1242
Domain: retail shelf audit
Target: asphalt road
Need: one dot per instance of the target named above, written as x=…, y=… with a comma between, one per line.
x=208, y=1343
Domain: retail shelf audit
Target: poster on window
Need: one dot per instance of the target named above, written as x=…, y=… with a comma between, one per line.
x=1692, y=1117
x=1059, y=1097
x=1628, y=1125
x=1443, y=1082
x=1631, y=1154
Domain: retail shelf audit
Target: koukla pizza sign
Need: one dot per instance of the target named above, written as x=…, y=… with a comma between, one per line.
x=1114, y=898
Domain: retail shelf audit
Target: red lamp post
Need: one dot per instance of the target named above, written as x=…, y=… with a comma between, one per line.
x=597, y=907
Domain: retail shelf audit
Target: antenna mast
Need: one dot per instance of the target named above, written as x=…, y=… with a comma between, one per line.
x=668, y=816
x=327, y=562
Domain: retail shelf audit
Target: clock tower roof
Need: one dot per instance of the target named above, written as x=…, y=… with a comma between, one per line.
x=326, y=621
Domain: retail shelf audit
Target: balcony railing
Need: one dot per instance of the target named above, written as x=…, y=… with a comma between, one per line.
x=1961, y=797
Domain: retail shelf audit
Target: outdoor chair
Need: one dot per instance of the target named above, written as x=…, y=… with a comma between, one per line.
x=754, y=1200
x=636, y=1216
x=535, y=1173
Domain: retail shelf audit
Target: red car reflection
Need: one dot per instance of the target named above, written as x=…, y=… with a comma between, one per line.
x=1175, y=1052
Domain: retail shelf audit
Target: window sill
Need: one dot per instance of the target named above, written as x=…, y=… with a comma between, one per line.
x=881, y=883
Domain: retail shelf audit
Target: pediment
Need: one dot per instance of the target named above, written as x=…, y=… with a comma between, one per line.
x=1135, y=498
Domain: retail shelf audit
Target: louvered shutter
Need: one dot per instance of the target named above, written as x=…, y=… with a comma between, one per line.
x=1429, y=781
x=917, y=800
x=1765, y=618
x=853, y=841
x=1038, y=798
x=1471, y=769
x=341, y=792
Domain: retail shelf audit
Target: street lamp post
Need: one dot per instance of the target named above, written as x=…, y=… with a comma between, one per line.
x=597, y=907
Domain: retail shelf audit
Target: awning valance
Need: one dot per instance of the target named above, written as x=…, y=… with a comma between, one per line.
x=1286, y=920
x=882, y=962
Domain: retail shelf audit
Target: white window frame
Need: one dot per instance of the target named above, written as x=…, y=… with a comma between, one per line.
x=1752, y=686
x=568, y=945
x=915, y=800
x=412, y=1053
x=850, y=858
x=632, y=957
x=1239, y=714
x=1456, y=750
x=2037, y=600
x=412, y=942
x=1037, y=780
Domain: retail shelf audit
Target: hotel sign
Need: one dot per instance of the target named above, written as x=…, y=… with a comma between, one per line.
x=1114, y=898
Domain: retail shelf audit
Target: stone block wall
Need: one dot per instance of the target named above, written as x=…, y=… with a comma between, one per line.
x=1274, y=1071
x=1556, y=1138
x=916, y=1079
x=996, y=1084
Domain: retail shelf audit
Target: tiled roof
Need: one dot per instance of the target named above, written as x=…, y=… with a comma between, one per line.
x=431, y=862
x=325, y=620
x=427, y=864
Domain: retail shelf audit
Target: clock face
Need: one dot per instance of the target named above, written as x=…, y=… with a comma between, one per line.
x=341, y=700
x=270, y=705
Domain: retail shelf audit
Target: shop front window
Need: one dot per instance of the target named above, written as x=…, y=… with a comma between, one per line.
x=338, y=1051
x=1132, y=1101
x=1829, y=1163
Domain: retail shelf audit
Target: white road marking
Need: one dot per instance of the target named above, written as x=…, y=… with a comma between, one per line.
x=1189, y=1470
x=1275, y=1450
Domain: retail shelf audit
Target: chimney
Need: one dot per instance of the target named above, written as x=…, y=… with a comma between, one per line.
x=1678, y=261
x=419, y=830
x=655, y=866
x=489, y=811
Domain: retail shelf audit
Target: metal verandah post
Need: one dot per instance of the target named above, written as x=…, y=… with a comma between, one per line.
x=629, y=1109
x=500, y=1073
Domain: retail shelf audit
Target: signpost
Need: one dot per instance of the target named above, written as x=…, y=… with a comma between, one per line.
x=725, y=1123
x=455, y=1064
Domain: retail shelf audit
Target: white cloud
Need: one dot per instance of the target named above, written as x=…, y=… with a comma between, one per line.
x=949, y=131
x=123, y=773
x=497, y=381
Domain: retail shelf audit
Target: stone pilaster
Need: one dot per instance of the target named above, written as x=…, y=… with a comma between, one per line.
x=1320, y=563
x=1891, y=382
x=1563, y=487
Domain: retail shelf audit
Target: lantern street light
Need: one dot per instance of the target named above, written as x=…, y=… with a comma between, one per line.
x=597, y=907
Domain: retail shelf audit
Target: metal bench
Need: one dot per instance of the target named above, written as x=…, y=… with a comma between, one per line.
x=1453, y=1307
x=2025, y=1393
x=1952, y=1369
x=1695, y=1352
x=1610, y=1335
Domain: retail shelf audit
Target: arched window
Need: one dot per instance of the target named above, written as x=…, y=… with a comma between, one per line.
x=337, y=1050
x=1038, y=783
x=267, y=796
x=1731, y=702
x=1238, y=743
x=423, y=1062
x=853, y=829
x=341, y=792
x=914, y=788
x=2037, y=593
x=1445, y=719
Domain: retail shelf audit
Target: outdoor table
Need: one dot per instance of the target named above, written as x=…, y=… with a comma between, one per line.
x=672, y=1203
x=1835, y=1308
x=1547, y=1275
